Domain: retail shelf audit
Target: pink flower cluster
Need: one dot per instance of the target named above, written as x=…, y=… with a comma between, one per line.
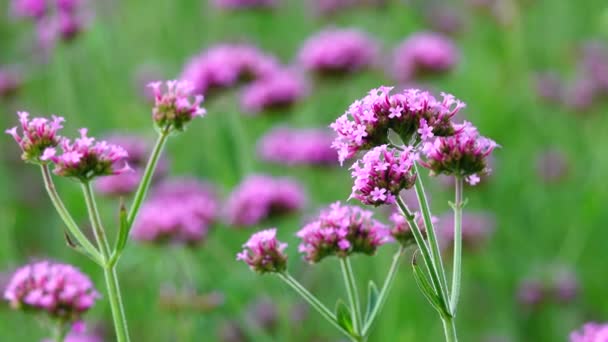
x=173, y=108
x=179, y=210
x=411, y=113
x=260, y=197
x=264, y=253
x=338, y=51
x=463, y=154
x=276, y=91
x=37, y=135
x=402, y=231
x=60, y=290
x=422, y=54
x=591, y=332
x=559, y=286
x=382, y=173
x=290, y=146
x=341, y=230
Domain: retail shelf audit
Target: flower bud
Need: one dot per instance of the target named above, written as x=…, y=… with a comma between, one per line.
x=264, y=253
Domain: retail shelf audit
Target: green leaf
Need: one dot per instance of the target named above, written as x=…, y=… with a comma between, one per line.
x=123, y=231
x=372, y=299
x=427, y=290
x=78, y=248
x=344, y=317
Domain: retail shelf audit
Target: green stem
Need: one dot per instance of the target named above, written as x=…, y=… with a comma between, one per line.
x=353, y=295
x=449, y=329
x=60, y=332
x=457, y=246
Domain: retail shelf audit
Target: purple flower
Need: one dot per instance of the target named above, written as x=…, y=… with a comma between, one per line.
x=10, y=82
x=37, y=135
x=594, y=63
x=551, y=166
x=402, y=231
x=329, y=7
x=424, y=53
x=231, y=331
x=580, y=94
x=549, y=87
x=264, y=313
x=289, y=146
x=172, y=108
x=590, y=332
x=34, y=9
x=260, y=197
x=566, y=286
x=80, y=336
x=338, y=51
x=382, y=173
x=264, y=253
x=476, y=229
x=341, y=230
x=179, y=210
x=463, y=154
x=444, y=19
x=60, y=290
x=274, y=92
x=531, y=293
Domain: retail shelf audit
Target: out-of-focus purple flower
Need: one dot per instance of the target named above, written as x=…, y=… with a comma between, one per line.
x=244, y=4
x=274, y=92
x=424, y=53
x=476, y=229
x=10, y=82
x=179, y=210
x=225, y=65
x=338, y=51
x=551, y=166
x=565, y=286
x=382, y=173
x=231, y=331
x=291, y=146
x=34, y=9
x=531, y=293
x=60, y=290
x=594, y=63
x=264, y=313
x=402, y=231
x=259, y=197
x=580, y=94
x=264, y=253
x=444, y=19
x=549, y=87
x=329, y=7
x=341, y=230
x=410, y=113
x=590, y=332
x=172, y=107
x=37, y=135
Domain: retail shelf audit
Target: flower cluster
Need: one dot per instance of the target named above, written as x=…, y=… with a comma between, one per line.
x=264, y=253
x=590, y=332
x=341, y=230
x=274, y=92
x=411, y=113
x=552, y=286
x=259, y=197
x=179, y=210
x=37, y=135
x=60, y=290
x=338, y=51
x=402, y=231
x=244, y=4
x=476, y=229
x=422, y=54
x=290, y=146
x=463, y=154
x=173, y=108
x=10, y=82
x=382, y=173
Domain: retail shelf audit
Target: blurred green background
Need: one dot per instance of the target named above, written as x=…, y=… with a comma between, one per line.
x=91, y=83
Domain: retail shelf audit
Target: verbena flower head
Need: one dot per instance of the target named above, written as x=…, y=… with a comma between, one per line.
x=382, y=173
x=464, y=154
x=566, y=286
x=289, y=146
x=402, y=231
x=177, y=211
x=264, y=313
x=244, y=4
x=36, y=136
x=86, y=159
x=275, y=92
x=531, y=293
x=422, y=54
x=591, y=332
x=260, y=197
x=264, y=253
x=34, y=9
x=173, y=108
x=59, y=290
x=338, y=51
x=341, y=230
x=411, y=114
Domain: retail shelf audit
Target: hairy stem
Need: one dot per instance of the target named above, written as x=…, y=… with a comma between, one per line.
x=457, y=269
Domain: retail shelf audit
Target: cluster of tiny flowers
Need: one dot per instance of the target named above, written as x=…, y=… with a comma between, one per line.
x=476, y=229
x=284, y=145
x=10, y=82
x=180, y=210
x=260, y=197
x=173, y=108
x=410, y=113
x=401, y=230
x=60, y=290
x=274, y=92
x=382, y=173
x=341, y=230
x=37, y=135
x=463, y=154
x=591, y=332
x=422, y=54
x=338, y=51
x=264, y=253
x=244, y=4
x=226, y=65
x=85, y=158
x=125, y=183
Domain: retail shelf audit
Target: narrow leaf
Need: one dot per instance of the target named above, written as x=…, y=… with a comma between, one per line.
x=123, y=232
x=427, y=290
x=344, y=317
x=372, y=299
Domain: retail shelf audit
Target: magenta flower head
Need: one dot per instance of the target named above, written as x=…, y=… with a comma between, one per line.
x=402, y=231
x=338, y=51
x=37, y=135
x=59, y=290
x=173, y=108
x=275, y=92
x=590, y=332
x=289, y=146
x=177, y=211
x=464, y=154
x=382, y=173
x=424, y=53
x=244, y=4
x=264, y=253
x=34, y=9
x=341, y=230
x=531, y=293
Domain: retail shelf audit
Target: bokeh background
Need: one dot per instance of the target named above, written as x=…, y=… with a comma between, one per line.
x=540, y=269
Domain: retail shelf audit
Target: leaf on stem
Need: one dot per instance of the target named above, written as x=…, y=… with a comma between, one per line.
x=123, y=232
x=372, y=299
x=427, y=290
x=78, y=248
x=344, y=318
